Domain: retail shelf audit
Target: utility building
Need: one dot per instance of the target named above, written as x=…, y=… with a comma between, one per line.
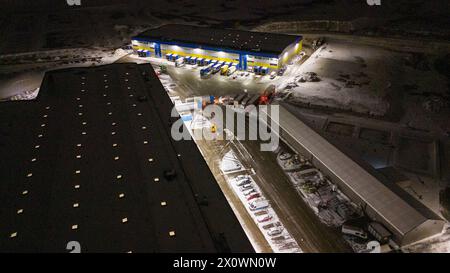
x=247, y=50
x=407, y=219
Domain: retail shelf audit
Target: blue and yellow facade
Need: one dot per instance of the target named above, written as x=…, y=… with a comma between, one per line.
x=243, y=59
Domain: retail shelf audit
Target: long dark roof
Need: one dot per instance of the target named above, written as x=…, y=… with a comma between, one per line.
x=402, y=215
x=258, y=42
x=89, y=161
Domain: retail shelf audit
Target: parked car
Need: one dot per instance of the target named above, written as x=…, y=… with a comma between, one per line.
x=243, y=182
x=240, y=177
x=274, y=231
x=273, y=74
x=258, y=204
x=281, y=71
x=264, y=218
x=250, y=191
x=246, y=187
x=253, y=196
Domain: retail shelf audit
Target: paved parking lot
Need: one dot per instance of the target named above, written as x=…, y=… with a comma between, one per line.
x=189, y=84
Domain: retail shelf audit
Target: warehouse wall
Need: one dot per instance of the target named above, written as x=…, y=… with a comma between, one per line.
x=138, y=45
x=199, y=53
x=251, y=60
x=271, y=63
x=290, y=52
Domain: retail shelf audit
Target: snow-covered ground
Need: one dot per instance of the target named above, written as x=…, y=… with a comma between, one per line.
x=438, y=244
x=370, y=80
x=22, y=74
x=352, y=77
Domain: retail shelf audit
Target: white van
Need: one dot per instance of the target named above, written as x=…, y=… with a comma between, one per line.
x=355, y=231
x=258, y=204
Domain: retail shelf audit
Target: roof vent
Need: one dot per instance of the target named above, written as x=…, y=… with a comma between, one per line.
x=142, y=98
x=170, y=174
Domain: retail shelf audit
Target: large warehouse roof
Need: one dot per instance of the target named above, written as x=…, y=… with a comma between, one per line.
x=92, y=160
x=396, y=211
x=257, y=42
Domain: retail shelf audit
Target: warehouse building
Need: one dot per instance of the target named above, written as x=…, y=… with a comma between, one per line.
x=255, y=51
x=407, y=219
x=92, y=161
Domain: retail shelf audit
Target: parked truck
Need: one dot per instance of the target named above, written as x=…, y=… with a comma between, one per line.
x=179, y=62
x=205, y=72
x=216, y=68
x=231, y=70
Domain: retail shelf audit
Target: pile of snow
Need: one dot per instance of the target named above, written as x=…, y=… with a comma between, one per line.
x=308, y=77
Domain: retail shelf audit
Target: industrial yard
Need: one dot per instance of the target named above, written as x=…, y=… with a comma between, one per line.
x=368, y=109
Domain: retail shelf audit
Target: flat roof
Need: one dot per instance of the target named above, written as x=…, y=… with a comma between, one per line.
x=400, y=214
x=241, y=40
x=89, y=161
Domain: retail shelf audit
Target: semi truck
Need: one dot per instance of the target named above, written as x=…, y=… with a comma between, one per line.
x=216, y=68
x=205, y=72
x=179, y=62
